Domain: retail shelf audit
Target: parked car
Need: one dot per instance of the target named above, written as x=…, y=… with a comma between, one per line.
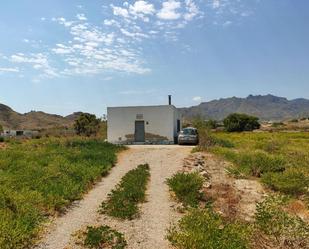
x=188, y=135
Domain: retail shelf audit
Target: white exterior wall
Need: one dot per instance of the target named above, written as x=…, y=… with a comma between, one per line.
x=159, y=121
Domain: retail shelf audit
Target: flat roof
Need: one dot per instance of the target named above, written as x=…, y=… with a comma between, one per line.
x=142, y=106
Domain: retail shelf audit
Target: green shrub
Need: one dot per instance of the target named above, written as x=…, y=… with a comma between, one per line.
x=273, y=221
x=186, y=187
x=240, y=122
x=204, y=229
x=122, y=202
x=255, y=163
x=282, y=163
x=87, y=124
x=41, y=177
x=291, y=181
x=104, y=237
x=1, y=139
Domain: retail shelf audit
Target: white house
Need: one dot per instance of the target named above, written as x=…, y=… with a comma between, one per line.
x=19, y=133
x=143, y=124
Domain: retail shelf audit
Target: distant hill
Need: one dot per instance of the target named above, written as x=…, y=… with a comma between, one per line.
x=33, y=120
x=266, y=107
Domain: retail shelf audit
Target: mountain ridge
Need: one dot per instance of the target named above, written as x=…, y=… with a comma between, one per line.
x=267, y=107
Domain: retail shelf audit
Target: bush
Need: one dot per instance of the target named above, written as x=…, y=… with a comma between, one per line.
x=187, y=187
x=87, y=124
x=104, y=237
x=1, y=139
x=122, y=202
x=291, y=181
x=237, y=122
x=204, y=229
x=285, y=229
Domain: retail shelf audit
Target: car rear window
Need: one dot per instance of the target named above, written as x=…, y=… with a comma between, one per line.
x=189, y=132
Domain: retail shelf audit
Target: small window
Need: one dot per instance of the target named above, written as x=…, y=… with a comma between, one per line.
x=19, y=133
x=139, y=116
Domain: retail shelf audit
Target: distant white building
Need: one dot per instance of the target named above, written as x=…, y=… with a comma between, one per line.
x=143, y=124
x=19, y=133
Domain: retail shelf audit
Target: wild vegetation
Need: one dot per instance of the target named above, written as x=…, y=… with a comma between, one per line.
x=280, y=159
x=203, y=228
x=241, y=122
x=41, y=177
x=123, y=201
x=186, y=187
x=280, y=227
x=104, y=237
x=87, y=124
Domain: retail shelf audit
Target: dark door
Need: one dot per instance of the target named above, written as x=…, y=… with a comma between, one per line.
x=139, y=131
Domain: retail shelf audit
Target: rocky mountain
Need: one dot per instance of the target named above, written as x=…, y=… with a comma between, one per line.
x=33, y=120
x=266, y=107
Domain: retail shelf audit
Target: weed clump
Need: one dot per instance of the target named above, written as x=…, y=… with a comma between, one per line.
x=207, y=140
x=254, y=163
x=122, y=202
x=281, y=227
x=186, y=187
x=291, y=182
x=104, y=237
x=201, y=229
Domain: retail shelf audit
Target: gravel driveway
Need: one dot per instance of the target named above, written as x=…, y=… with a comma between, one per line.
x=149, y=230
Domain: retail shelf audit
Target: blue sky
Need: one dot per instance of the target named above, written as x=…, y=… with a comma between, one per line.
x=64, y=56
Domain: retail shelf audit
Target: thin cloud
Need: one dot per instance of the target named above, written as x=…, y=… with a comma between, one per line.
x=115, y=43
x=8, y=70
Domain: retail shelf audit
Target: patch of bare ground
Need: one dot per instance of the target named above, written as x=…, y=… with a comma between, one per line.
x=232, y=198
x=3, y=146
x=236, y=199
x=298, y=208
x=148, y=231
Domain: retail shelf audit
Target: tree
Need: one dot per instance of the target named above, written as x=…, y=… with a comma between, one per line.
x=241, y=122
x=87, y=124
x=1, y=128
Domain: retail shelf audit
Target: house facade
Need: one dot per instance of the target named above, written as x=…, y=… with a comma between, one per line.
x=143, y=124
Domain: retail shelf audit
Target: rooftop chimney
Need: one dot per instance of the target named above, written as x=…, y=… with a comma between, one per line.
x=170, y=99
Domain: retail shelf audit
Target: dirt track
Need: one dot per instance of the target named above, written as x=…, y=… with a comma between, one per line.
x=148, y=231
